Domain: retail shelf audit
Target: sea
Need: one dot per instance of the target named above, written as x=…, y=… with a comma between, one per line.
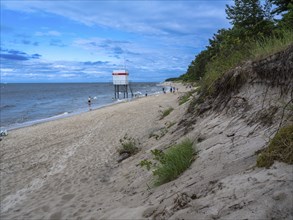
x=24, y=104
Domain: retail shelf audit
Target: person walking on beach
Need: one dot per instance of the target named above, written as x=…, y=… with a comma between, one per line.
x=89, y=101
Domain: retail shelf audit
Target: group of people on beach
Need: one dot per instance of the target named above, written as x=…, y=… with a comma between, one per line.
x=172, y=89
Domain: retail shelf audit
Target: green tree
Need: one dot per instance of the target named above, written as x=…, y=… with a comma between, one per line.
x=284, y=8
x=197, y=67
x=281, y=6
x=250, y=18
x=245, y=13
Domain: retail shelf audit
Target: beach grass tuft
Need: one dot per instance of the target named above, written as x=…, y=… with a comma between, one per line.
x=185, y=97
x=174, y=162
x=168, y=165
x=166, y=112
x=280, y=148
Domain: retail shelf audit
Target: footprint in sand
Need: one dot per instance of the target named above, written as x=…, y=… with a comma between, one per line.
x=56, y=216
x=46, y=208
x=68, y=197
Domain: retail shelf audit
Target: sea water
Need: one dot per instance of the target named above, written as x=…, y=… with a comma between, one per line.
x=24, y=104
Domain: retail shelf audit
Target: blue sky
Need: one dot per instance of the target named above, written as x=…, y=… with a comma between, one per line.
x=83, y=41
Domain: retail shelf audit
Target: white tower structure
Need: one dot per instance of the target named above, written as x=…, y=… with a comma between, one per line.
x=120, y=82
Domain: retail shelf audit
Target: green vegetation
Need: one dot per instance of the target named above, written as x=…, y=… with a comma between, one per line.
x=170, y=164
x=172, y=79
x=128, y=145
x=265, y=46
x=280, y=149
x=259, y=28
x=166, y=112
x=185, y=97
x=260, y=48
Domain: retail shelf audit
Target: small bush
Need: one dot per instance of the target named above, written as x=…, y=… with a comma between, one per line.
x=166, y=112
x=128, y=145
x=146, y=163
x=172, y=163
x=280, y=149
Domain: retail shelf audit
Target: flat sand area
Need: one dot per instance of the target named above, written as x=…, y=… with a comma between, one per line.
x=62, y=169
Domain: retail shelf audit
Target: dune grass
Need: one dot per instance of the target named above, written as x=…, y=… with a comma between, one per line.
x=185, y=97
x=173, y=162
x=280, y=148
x=166, y=112
x=267, y=46
x=254, y=50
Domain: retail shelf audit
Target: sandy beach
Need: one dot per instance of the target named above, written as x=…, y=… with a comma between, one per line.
x=68, y=169
x=61, y=169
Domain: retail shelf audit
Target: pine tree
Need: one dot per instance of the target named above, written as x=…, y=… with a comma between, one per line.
x=250, y=18
x=245, y=13
x=284, y=7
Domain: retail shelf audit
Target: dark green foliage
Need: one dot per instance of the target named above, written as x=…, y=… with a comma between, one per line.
x=253, y=21
x=280, y=149
x=245, y=13
x=197, y=67
x=172, y=79
x=287, y=20
x=281, y=6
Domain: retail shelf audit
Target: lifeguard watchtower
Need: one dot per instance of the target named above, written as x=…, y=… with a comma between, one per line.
x=120, y=81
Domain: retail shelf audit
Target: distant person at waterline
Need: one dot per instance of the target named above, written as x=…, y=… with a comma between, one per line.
x=89, y=101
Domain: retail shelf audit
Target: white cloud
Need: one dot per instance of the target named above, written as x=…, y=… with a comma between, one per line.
x=6, y=70
x=155, y=37
x=147, y=17
x=68, y=75
x=49, y=33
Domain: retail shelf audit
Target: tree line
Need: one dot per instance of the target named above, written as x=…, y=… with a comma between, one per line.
x=252, y=21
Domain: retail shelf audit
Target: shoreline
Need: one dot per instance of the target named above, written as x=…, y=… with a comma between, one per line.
x=21, y=110
x=71, y=114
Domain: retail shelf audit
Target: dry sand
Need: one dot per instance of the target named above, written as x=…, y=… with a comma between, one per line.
x=68, y=169
x=64, y=168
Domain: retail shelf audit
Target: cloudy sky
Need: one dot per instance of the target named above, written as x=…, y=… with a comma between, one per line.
x=83, y=41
